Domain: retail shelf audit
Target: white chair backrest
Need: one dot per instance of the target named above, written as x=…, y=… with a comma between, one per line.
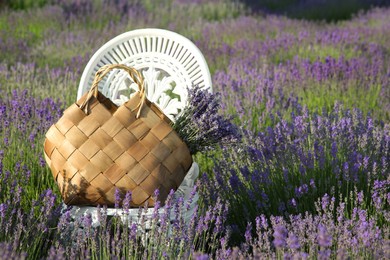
x=169, y=63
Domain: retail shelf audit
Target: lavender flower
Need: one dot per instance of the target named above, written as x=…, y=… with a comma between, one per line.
x=267, y=72
x=293, y=241
x=323, y=238
x=8, y=252
x=201, y=126
x=280, y=236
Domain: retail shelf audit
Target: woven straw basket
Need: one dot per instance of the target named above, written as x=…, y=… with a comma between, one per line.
x=96, y=148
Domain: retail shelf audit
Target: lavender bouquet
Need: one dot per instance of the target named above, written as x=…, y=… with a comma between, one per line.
x=201, y=126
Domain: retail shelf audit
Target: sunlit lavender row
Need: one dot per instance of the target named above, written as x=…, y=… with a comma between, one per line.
x=309, y=178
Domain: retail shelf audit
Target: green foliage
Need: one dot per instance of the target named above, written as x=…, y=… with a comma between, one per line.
x=44, y=51
x=23, y=4
x=329, y=10
x=327, y=94
x=24, y=160
x=313, y=53
x=39, y=81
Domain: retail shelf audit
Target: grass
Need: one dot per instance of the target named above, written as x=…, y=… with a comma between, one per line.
x=326, y=95
x=248, y=58
x=313, y=53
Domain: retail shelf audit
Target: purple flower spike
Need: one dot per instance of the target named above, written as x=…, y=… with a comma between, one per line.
x=118, y=198
x=280, y=236
x=293, y=241
x=126, y=201
x=201, y=126
x=324, y=239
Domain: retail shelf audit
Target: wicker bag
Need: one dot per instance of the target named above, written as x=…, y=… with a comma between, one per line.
x=97, y=148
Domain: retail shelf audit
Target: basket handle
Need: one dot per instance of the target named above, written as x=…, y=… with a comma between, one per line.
x=134, y=74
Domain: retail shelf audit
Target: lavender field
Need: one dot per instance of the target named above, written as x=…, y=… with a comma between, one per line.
x=310, y=178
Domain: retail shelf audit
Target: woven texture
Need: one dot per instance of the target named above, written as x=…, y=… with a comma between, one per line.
x=97, y=149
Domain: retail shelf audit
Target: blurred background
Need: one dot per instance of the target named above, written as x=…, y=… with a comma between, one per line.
x=328, y=10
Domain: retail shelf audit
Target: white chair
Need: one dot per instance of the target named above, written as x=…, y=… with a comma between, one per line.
x=169, y=63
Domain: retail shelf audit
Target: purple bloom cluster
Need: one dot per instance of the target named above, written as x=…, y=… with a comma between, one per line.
x=306, y=236
x=31, y=228
x=8, y=252
x=116, y=238
x=200, y=124
x=308, y=179
x=84, y=10
x=330, y=153
x=269, y=66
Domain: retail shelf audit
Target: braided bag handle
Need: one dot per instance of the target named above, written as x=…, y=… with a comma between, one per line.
x=134, y=74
